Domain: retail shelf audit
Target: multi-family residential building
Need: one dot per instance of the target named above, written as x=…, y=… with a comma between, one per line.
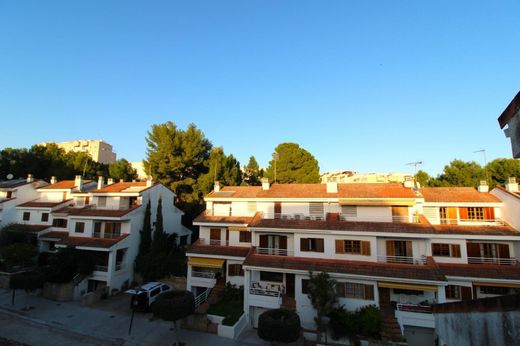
x=388, y=244
x=99, y=150
x=14, y=192
x=357, y=177
x=510, y=117
x=101, y=219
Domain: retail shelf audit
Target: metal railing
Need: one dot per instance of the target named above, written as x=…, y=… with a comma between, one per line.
x=205, y=275
x=492, y=222
x=492, y=260
x=96, y=234
x=402, y=259
x=257, y=289
x=111, y=235
x=273, y=251
x=201, y=298
x=426, y=309
x=342, y=217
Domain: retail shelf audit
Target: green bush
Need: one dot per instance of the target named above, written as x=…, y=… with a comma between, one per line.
x=343, y=323
x=28, y=281
x=69, y=262
x=19, y=254
x=279, y=325
x=371, y=321
x=174, y=305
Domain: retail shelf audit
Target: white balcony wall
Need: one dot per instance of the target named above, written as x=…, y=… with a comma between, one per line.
x=331, y=208
x=243, y=208
x=432, y=214
x=53, y=196
x=416, y=319
x=421, y=296
x=265, y=207
x=382, y=214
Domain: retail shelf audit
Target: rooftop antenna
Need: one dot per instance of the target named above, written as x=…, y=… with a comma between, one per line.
x=275, y=158
x=415, y=164
x=483, y=151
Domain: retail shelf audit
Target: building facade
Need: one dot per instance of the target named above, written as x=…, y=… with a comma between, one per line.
x=99, y=150
x=387, y=244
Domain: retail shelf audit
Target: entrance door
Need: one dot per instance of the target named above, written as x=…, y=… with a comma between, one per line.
x=277, y=210
x=289, y=285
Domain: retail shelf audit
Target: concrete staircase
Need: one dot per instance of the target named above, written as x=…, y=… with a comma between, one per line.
x=217, y=292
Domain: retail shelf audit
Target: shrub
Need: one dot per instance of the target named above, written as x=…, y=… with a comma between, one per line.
x=371, y=321
x=343, y=323
x=279, y=325
x=68, y=262
x=28, y=281
x=174, y=305
x=19, y=254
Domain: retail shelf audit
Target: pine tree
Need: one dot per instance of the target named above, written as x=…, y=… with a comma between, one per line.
x=293, y=164
x=159, y=242
x=252, y=172
x=146, y=232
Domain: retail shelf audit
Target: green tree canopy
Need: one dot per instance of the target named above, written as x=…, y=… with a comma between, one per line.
x=461, y=173
x=293, y=165
x=122, y=169
x=177, y=158
x=222, y=168
x=252, y=172
x=146, y=232
x=423, y=178
x=323, y=295
x=499, y=170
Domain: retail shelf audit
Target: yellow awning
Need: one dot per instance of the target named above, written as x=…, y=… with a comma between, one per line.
x=496, y=284
x=405, y=286
x=206, y=262
x=239, y=229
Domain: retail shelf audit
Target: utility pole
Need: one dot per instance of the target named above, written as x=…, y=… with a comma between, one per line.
x=275, y=158
x=415, y=164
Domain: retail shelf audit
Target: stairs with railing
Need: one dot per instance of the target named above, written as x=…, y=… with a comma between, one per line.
x=390, y=329
x=217, y=292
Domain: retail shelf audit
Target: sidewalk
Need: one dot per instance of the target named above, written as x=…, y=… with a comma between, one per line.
x=89, y=326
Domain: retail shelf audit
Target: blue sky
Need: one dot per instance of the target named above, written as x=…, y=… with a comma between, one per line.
x=362, y=85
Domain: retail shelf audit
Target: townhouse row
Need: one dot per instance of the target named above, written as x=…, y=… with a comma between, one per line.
x=393, y=245
x=103, y=219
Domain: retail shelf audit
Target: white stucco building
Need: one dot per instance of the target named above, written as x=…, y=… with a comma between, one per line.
x=387, y=244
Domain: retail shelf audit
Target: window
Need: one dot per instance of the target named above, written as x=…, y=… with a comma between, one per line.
x=26, y=216
x=97, y=229
x=155, y=292
x=353, y=247
x=61, y=223
x=235, y=270
x=271, y=276
x=443, y=214
x=494, y=290
x=316, y=209
x=80, y=227
x=453, y=292
x=305, y=286
x=355, y=291
x=312, y=244
x=476, y=213
x=112, y=229
x=349, y=210
x=446, y=250
x=244, y=236
x=101, y=201
x=45, y=217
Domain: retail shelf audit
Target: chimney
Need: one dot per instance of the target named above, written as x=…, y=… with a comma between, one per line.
x=100, y=182
x=265, y=184
x=121, y=180
x=332, y=187
x=216, y=187
x=54, y=180
x=408, y=182
x=78, y=182
x=149, y=181
x=483, y=187
x=30, y=178
x=512, y=185
x=110, y=181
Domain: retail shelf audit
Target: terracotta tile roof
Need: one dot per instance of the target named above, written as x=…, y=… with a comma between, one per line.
x=54, y=235
x=369, y=190
x=373, y=269
x=382, y=227
x=63, y=185
x=128, y=187
x=26, y=228
x=488, y=271
x=36, y=204
x=91, y=242
x=234, y=251
x=223, y=219
x=86, y=211
x=457, y=195
x=510, y=111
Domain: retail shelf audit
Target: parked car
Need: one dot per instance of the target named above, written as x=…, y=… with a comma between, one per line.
x=144, y=296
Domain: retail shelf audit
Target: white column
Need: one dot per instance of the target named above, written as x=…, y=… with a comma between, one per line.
x=188, y=279
x=441, y=294
x=247, y=284
x=111, y=269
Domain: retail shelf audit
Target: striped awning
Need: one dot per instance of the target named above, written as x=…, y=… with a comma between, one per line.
x=406, y=286
x=496, y=284
x=206, y=262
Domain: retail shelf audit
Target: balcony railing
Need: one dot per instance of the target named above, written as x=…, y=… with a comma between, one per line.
x=268, y=290
x=342, y=217
x=414, y=308
x=492, y=260
x=273, y=251
x=402, y=259
x=101, y=268
x=204, y=275
x=215, y=242
x=489, y=222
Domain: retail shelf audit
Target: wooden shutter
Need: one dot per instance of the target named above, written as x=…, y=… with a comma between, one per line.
x=340, y=246
x=455, y=250
x=503, y=250
x=263, y=241
x=365, y=248
x=452, y=215
x=390, y=249
x=489, y=213
x=369, y=292
x=473, y=249
x=214, y=234
x=277, y=209
x=409, y=252
x=227, y=234
x=320, y=245
x=283, y=242
x=304, y=244
x=465, y=293
x=463, y=212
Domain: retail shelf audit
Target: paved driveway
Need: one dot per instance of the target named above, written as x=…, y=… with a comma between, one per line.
x=106, y=323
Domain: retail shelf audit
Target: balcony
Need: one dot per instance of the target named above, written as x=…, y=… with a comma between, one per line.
x=402, y=259
x=492, y=260
x=203, y=278
x=100, y=268
x=273, y=251
x=341, y=217
x=266, y=295
x=414, y=315
x=473, y=222
x=213, y=242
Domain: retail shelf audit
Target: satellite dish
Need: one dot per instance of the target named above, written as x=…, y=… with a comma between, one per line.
x=9, y=176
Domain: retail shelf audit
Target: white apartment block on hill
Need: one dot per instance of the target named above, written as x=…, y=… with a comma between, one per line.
x=346, y=177
x=387, y=244
x=103, y=219
x=99, y=150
